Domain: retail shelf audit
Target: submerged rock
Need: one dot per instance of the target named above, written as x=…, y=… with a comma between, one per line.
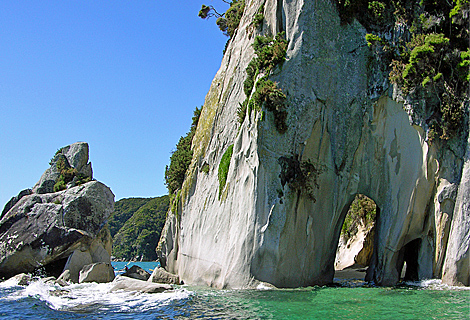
x=42, y=229
x=129, y=284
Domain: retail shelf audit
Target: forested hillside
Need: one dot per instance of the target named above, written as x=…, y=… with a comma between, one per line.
x=136, y=225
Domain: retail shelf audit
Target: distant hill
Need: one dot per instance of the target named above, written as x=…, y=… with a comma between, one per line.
x=136, y=225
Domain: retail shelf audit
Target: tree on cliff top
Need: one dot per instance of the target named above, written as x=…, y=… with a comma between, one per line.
x=228, y=21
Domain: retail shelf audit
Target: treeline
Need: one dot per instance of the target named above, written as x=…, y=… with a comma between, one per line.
x=136, y=225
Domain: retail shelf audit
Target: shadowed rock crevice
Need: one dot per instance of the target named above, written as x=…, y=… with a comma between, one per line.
x=408, y=258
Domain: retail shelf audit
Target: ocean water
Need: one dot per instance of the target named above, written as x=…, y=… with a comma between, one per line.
x=427, y=299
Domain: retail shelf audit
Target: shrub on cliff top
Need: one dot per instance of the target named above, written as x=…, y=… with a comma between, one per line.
x=426, y=58
x=67, y=173
x=181, y=157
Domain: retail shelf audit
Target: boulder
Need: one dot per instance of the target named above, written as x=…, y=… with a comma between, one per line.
x=77, y=260
x=129, y=284
x=160, y=275
x=89, y=253
x=40, y=229
x=64, y=278
x=137, y=272
x=97, y=272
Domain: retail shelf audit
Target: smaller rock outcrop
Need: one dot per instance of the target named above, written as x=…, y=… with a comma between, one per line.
x=61, y=222
x=129, y=284
x=456, y=269
x=70, y=162
x=160, y=275
x=136, y=272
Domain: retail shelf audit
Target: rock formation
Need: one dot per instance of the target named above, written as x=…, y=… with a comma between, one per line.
x=56, y=231
x=457, y=262
x=350, y=127
x=137, y=272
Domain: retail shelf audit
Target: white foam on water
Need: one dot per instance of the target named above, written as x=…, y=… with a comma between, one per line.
x=434, y=284
x=87, y=296
x=263, y=286
x=10, y=283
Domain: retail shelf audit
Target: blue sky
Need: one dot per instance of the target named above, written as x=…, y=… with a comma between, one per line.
x=124, y=76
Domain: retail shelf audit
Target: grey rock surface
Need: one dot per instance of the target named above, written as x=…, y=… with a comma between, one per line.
x=457, y=262
x=77, y=157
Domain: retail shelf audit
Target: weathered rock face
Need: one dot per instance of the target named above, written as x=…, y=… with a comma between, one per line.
x=49, y=230
x=457, y=262
x=359, y=139
x=356, y=250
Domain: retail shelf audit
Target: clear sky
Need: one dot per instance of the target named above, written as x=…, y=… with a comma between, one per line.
x=124, y=76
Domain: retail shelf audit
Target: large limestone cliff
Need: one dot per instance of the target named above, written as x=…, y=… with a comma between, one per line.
x=348, y=124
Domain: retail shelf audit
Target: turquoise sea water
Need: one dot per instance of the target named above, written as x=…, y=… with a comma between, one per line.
x=146, y=265
x=427, y=299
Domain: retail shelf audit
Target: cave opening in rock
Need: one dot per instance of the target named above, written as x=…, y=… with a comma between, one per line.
x=407, y=265
x=356, y=239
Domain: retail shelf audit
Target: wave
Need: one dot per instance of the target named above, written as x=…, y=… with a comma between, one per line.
x=91, y=297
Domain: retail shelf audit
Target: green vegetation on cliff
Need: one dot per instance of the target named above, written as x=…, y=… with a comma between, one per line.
x=67, y=173
x=224, y=165
x=140, y=233
x=270, y=53
x=363, y=210
x=428, y=57
x=181, y=157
